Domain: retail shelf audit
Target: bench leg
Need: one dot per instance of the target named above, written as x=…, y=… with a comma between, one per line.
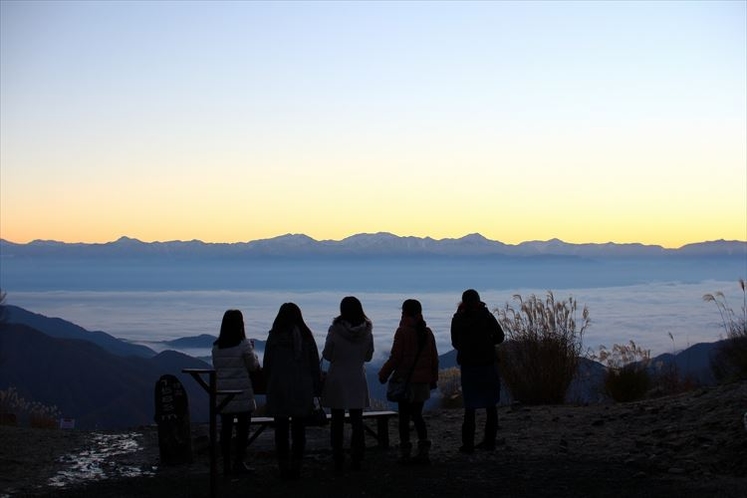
x=382, y=426
x=256, y=433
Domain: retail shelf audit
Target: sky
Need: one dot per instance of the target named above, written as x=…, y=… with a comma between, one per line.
x=586, y=121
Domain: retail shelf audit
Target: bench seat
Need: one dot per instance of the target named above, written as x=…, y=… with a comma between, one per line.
x=381, y=433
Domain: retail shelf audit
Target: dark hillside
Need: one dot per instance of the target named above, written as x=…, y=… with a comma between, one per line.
x=96, y=388
x=57, y=327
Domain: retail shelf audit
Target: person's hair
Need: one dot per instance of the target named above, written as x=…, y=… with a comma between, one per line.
x=470, y=297
x=412, y=308
x=231, y=329
x=351, y=310
x=289, y=316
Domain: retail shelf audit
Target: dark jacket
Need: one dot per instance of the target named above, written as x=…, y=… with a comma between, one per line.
x=474, y=334
x=291, y=364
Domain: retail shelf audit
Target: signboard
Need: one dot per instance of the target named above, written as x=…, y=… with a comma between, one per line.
x=172, y=417
x=67, y=423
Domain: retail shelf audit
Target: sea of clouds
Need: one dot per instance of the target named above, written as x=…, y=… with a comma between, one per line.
x=644, y=300
x=644, y=313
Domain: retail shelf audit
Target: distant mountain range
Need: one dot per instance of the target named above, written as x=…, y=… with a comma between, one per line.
x=106, y=383
x=378, y=244
x=61, y=329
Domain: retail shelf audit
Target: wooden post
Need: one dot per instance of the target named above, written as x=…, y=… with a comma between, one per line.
x=213, y=433
x=212, y=389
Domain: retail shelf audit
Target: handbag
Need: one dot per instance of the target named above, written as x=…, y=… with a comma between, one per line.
x=318, y=416
x=398, y=389
x=259, y=381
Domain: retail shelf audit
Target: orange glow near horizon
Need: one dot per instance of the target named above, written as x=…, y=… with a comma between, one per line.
x=589, y=122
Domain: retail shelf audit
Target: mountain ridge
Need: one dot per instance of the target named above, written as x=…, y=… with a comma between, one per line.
x=364, y=244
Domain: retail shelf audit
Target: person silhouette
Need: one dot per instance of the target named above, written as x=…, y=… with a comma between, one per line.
x=348, y=346
x=291, y=364
x=414, y=358
x=233, y=358
x=474, y=334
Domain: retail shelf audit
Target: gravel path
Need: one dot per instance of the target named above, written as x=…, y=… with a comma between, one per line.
x=690, y=445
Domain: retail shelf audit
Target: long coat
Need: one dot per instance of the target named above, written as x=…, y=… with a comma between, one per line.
x=474, y=334
x=405, y=350
x=232, y=366
x=347, y=348
x=291, y=365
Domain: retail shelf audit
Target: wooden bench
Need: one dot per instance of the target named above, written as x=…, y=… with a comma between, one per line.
x=381, y=433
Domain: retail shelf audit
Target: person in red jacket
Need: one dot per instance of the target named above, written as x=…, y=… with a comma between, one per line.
x=413, y=354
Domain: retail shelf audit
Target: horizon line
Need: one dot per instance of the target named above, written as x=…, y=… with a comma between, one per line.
x=289, y=234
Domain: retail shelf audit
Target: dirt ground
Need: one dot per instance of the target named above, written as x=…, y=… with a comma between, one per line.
x=690, y=445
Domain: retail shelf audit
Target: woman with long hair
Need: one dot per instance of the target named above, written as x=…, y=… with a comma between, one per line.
x=349, y=345
x=414, y=360
x=291, y=364
x=233, y=359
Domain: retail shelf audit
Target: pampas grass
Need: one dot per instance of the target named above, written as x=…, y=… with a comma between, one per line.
x=730, y=361
x=37, y=414
x=627, y=377
x=540, y=358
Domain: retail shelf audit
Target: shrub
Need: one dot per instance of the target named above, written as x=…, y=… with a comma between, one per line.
x=667, y=379
x=730, y=360
x=37, y=414
x=627, y=377
x=450, y=386
x=540, y=358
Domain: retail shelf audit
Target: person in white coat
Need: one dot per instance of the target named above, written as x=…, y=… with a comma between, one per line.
x=349, y=345
x=233, y=359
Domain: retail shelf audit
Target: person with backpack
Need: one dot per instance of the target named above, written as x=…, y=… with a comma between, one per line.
x=475, y=332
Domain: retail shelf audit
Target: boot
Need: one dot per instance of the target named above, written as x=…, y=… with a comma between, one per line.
x=339, y=458
x=336, y=439
x=468, y=440
x=404, y=452
x=488, y=440
x=239, y=466
x=297, y=450
x=227, y=467
x=491, y=430
x=486, y=444
x=357, y=449
x=422, y=458
x=284, y=466
x=295, y=468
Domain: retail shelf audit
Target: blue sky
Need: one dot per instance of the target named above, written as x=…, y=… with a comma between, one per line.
x=226, y=121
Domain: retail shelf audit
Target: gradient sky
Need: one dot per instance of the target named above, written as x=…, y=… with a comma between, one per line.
x=586, y=121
